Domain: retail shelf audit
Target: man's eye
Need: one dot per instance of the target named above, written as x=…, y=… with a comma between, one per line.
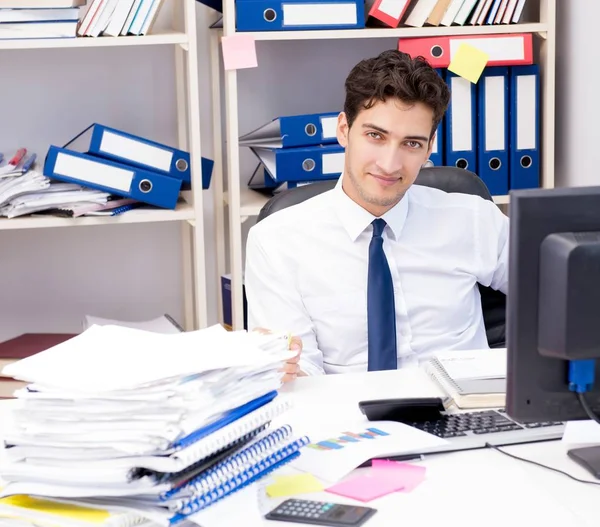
x=374, y=135
x=414, y=144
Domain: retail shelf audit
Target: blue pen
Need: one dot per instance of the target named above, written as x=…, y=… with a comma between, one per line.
x=27, y=165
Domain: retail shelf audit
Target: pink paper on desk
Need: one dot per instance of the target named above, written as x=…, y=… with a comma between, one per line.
x=405, y=474
x=239, y=51
x=366, y=487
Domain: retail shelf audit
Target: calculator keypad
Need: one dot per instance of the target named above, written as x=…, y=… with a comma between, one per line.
x=304, y=509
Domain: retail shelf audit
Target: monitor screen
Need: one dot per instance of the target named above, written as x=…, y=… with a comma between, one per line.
x=538, y=383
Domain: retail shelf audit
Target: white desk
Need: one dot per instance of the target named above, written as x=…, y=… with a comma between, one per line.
x=480, y=488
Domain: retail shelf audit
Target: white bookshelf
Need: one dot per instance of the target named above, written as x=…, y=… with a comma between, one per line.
x=236, y=203
x=189, y=211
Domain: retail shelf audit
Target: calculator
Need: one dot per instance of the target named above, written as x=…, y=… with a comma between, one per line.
x=321, y=513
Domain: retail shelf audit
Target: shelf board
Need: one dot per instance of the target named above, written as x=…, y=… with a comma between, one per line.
x=401, y=32
x=183, y=211
x=251, y=202
x=158, y=38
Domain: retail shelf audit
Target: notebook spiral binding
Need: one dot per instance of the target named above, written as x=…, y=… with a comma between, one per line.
x=438, y=373
x=257, y=471
x=219, y=473
x=232, y=432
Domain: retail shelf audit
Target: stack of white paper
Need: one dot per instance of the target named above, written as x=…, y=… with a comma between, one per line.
x=124, y=415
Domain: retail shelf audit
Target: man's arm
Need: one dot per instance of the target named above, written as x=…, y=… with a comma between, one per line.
x=274, y=301
x=492, y=233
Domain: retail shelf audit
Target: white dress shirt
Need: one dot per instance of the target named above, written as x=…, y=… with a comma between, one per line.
x=306, y=272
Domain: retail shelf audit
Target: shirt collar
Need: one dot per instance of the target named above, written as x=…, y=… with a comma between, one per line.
x=355, y=219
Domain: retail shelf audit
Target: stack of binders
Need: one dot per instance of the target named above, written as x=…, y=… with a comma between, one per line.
x=295, y=150
x=125, y=165
x=492, y=127
x=164, y=425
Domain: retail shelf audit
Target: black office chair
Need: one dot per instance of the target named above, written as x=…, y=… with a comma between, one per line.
x=449, y=179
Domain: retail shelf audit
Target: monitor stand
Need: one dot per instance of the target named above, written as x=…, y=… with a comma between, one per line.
x=588, y=458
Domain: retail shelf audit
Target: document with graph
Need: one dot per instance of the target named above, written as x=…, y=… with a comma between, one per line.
x=332, y=457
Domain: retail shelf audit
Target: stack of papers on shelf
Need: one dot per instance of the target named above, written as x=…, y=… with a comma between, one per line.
x=162, y=424
x=472, y=378
x=34, y=192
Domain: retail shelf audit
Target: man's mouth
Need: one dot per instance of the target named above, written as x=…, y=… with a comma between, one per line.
x=385, y=180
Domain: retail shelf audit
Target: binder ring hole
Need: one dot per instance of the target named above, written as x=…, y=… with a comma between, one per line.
x=181, y=165
x=462, y=163
x=308, y=165
x=495, y=163
x=437, y=51
x=145, y=186
x=269, y=15
x=526, y=161
x=310, y=129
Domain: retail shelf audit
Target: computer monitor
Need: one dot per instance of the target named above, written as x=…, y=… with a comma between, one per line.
x=553, y=303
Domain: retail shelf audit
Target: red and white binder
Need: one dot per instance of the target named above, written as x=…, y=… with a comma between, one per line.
x=390, y=12
x=503, y=50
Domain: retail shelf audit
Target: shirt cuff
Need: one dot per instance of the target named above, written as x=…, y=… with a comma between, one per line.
x=309, y=368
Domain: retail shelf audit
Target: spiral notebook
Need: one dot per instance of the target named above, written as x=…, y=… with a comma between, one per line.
x=234, y=473
x=471, y=378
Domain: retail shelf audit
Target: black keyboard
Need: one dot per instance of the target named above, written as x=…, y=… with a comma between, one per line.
x=485, y=422
x=471, y=430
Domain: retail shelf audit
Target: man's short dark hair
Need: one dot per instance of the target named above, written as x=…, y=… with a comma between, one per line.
x=395, y=74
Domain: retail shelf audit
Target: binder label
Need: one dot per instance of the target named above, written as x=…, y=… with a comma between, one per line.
x=92, y=172
x=136, y=151
x=526, y=112
x=495, y=110
x=461, y=114
x=497, y=48
x=333, y=163
x=301, y=14
x=393, y=8
x=329, y=126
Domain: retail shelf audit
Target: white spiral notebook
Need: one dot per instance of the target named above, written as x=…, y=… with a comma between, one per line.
x=471, y=378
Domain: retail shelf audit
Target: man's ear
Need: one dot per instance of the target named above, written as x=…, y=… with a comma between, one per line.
x=342, y=130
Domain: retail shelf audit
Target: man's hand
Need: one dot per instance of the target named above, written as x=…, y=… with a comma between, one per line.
x=290, y=369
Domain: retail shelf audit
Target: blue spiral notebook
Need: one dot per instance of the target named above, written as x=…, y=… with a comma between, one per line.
x=234, y=473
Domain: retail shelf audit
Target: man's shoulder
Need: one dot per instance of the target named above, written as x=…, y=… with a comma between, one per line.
x=297, y=218
x=436, y=198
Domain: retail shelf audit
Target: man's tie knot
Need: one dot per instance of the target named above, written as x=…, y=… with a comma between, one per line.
x=378, y=226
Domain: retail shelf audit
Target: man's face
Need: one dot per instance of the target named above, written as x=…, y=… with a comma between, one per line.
x=385, y=149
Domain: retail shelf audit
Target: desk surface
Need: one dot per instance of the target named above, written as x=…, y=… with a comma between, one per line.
x=481, y=488
x=468, y=489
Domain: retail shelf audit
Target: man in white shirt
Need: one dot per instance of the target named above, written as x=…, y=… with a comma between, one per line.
x=378, y=273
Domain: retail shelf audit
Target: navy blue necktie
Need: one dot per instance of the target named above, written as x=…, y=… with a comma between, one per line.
x=381, y=314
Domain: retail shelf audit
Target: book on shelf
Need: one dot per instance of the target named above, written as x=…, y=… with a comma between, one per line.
x=428, y=13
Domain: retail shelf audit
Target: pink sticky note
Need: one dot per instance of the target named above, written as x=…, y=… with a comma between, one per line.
x=239, y=51
x=366, y=487
x=405, y=474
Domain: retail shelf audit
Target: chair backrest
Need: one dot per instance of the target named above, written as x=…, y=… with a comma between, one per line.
x=448, y=179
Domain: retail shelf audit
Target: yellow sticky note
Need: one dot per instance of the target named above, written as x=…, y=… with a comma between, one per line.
x=468, y=62
x=21, y=505
x=294, y=484
x=239, y=51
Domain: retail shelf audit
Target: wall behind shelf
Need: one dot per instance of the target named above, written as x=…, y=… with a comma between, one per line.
x=50, y=278
x=577, y=108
